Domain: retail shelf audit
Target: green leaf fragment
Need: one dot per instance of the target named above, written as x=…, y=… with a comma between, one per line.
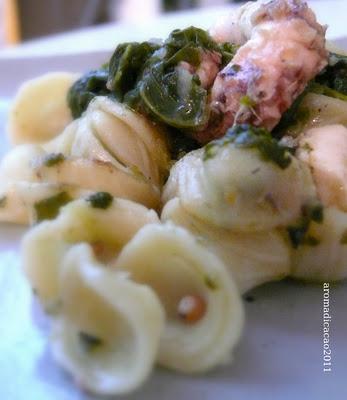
x=102, y=200
x=298, y=233
x=53, y=159
x=210, y=283
x=89, y=342
x=249, y=137
x=48, y=209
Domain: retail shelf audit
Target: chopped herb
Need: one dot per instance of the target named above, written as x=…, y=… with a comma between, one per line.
x=3, y=201
x=210, y=151
x=298, y=233
x=53, y=159
x=344, y=237
x=48, y=209
x=101, y=200
x=210, y=283
x=246, y=101
x=89, y=342
x=247, y=136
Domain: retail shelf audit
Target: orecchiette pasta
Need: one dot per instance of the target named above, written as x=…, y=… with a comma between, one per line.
x=202, y=304
x=108, y=329
x=110, y=148
x=40, y=110
x=324, y=257
x=237, y=189
x=253, y=258
x=108, y=230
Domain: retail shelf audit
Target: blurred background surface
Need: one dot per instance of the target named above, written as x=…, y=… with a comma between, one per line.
x=23, y=20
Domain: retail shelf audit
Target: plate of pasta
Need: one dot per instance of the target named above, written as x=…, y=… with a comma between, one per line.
x=174, y=221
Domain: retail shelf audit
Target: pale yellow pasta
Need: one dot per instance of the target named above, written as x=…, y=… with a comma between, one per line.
x=324, y=257
x=45, y=245
x=108, y=330
x=110, y=148
x=253, y=258
x=124, y=138
x=204, y=312
x=40, y=110
x=238, y=190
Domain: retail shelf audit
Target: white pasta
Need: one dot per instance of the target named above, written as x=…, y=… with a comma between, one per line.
x=253, y=258
x=237, y=189
x=127, y=138
x=109, y=149
x=45, y=246
x=40, y=110
x=108, y=330
x=188, y=280
x=326, y=259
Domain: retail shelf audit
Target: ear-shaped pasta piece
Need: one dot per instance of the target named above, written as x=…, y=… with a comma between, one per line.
x=253, y=258
x=29, y=175
x=27, y=203
x=127, y=138
x=107, y=230
x=239, y=190
x=40, y=110
x=203, y=306
x=96, y=175
x=323, y=256
x=107, y=334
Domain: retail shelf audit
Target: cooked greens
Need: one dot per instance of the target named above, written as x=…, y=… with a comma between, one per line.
x=151, y=78
x=334, y=76
x=85, y=89
x=250, y=137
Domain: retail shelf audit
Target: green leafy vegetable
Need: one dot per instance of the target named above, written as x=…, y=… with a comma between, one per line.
x=298, y=233
x=85, y=89
x=89, y=342
x=334, y=75
x=48, y=209
x=250, y=137
x=102, y=200
x=151, y=79
x=174, y=97
x=126, y=66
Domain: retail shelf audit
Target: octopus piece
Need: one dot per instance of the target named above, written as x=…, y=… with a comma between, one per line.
x=283, y=47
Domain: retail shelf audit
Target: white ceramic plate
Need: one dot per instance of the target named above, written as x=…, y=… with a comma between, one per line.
x=279, y=357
